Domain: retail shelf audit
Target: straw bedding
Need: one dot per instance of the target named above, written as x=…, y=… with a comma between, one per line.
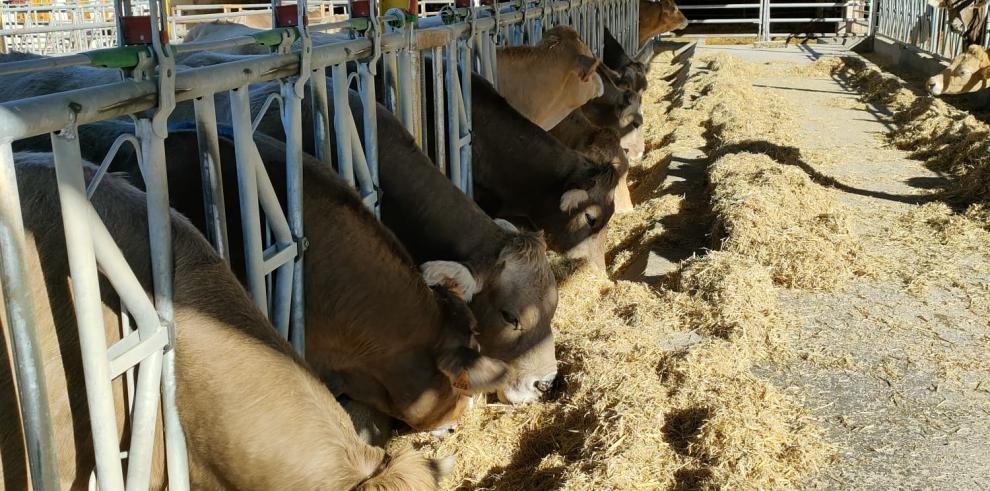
x=657, y=390
x=947, y=139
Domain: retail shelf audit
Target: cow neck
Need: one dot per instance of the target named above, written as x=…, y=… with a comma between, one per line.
x=375, y=254
x=545, y=161
x=433, y=219
x=528, y=72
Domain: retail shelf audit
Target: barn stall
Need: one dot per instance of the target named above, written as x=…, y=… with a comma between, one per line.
x=798, y=299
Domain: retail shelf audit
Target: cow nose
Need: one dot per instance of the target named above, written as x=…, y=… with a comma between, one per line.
x=546, y=383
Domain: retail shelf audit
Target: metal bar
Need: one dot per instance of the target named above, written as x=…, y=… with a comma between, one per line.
x=464, y=113
x=345, y=165
x=211, y=174
x=321, y=115
x=290, y=305
x=439, y=128
x=32, y=390
x=240, y=113
x=283, y=239
x=88, y=308
x=160, y=241
x=453, y=120
x=366, y=84
x=148, y=353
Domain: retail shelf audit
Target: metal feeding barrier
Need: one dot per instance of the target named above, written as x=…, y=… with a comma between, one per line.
x=768, y=19
x=916, y=23
x=389, y=46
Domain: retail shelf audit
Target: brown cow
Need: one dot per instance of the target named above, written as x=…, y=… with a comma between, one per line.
x=374, y=331
x=968, y=18
x=254, y=415
x=547, y=81
x=659, y=17
x=517, y=295
x=632, y=73
x=968, y=72
x=599, y=144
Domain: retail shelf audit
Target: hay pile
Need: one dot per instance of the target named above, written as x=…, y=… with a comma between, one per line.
x=777, y=216
x=657, y=391
x=765, y=205
x=946, y=139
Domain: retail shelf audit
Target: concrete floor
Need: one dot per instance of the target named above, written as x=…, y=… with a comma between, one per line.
x=900, y=417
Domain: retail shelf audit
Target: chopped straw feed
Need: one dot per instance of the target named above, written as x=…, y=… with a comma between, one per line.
x=947, y=139
x=657, y=389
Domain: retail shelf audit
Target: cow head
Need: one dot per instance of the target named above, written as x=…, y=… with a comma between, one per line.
x=964, y=16
x=459, y=370
x=583, y=81
x=620, y=104
x=585, y=206
x=659, y=17
x=968, y=72
x=514, y=308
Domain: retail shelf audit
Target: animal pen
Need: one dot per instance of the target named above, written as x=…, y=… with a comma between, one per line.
x=723, y=293
x=274, y=260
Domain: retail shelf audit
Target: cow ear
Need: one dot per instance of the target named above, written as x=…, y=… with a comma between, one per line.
x=451, y=275
x=586, y=67
x=470, y=372
x=571, y=199
x=937, y=3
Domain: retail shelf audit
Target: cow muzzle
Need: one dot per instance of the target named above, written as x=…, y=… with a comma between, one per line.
x=934, y=86
x=528, y=389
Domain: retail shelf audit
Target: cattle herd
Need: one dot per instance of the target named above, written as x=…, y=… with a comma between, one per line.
x=407, y=317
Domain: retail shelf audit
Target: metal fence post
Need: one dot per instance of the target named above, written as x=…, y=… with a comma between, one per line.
x=29, y=371
x=88, y=308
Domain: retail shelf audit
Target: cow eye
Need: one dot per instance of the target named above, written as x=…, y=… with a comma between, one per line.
x=590, y=219
x=511, y=319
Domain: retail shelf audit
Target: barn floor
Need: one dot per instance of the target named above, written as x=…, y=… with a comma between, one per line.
x=894, y=366
x=837, y=337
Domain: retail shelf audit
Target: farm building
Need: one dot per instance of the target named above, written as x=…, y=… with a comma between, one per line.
x=581, y=245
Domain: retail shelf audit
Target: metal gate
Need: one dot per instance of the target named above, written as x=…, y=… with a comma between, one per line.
x=770, y=19
x=916, y=23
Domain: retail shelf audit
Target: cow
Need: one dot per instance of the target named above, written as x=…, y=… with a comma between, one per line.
x=254, y=415
x=504, y=290
x=516, y=294
x=221, y=30
x=30, y=84
x=615, y=57
x=521, y=172
x=634, y=74
x=968, y=18
x=577, y=132
x=547, y=81
x=619, y=108
x=658, y=17
x=968, y=72
x=375, y=332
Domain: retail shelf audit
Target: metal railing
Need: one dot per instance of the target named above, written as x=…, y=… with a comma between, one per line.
x=918, y=24
x=387, y=46
x=64, y=27
x=767, y=19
